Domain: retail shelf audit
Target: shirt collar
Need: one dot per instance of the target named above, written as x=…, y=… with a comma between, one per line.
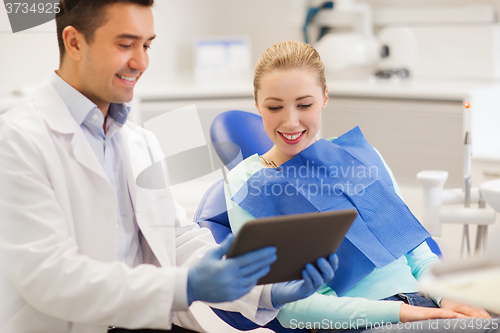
x=119, y=112
x=80, y=106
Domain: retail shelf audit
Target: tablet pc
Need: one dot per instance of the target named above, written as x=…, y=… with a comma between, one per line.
x=299, y=238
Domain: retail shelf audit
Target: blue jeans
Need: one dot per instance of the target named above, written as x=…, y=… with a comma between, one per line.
x=417, y=299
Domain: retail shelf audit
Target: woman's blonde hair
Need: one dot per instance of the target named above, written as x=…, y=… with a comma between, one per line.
x=286, y=56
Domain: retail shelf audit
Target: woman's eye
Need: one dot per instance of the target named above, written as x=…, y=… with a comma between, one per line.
x=274, y=108
x=305, y=106
x=147, y=47
x=126, y=46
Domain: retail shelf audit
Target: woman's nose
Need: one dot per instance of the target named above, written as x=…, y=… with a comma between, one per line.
x=292, y=120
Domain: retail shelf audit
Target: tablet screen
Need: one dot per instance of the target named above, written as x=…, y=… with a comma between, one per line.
x=299, y=239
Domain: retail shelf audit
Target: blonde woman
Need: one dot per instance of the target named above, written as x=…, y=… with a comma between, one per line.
x=384, y=253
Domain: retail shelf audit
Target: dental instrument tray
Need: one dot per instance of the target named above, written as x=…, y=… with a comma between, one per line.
x=300, y=239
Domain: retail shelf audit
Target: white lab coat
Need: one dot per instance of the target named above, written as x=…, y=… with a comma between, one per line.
x=58, y=268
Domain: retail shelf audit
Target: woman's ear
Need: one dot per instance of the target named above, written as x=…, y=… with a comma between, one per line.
x=257, y=107
x=325, y=101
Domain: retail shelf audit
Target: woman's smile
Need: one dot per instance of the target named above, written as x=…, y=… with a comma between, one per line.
x=292, y=138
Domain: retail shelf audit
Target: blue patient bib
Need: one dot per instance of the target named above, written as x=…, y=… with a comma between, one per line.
x=344, y=174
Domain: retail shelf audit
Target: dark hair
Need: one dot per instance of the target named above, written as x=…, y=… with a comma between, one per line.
x=86, y=16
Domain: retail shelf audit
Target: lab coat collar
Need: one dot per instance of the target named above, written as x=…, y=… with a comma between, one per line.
x=129, y=136
x=145, y=201
x=78, y=105
x=53, y=109
x=57, y=116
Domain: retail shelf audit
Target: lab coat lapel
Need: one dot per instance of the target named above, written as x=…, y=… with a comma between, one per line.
x=154, y=209
x=59, y=119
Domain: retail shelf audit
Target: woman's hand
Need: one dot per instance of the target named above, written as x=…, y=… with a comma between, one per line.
x=468, y=310
x=409, y=313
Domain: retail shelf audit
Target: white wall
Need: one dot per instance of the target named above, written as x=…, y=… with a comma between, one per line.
x=179, y=23
x=27, y=58
x=495, y=3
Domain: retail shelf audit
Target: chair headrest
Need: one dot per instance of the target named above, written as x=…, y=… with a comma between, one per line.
x=212, y=206
x=245, y=130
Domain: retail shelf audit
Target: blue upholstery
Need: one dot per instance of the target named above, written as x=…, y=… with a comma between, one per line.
x=434, y=247
x=212, y=212
x=241, y=323
x=243, y=131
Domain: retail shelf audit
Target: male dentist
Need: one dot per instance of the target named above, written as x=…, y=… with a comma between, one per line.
x=82, y=247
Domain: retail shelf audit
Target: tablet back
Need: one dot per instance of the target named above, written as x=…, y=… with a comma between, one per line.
x=300, y=239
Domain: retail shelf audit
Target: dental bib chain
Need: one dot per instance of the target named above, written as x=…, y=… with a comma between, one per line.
x=270, y=163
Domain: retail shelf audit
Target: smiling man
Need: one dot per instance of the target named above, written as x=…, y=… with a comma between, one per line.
x=105, y=64
x=82, y=247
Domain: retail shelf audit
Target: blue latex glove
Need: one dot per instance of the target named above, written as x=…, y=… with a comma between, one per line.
x=214, y=279
x=286, y=292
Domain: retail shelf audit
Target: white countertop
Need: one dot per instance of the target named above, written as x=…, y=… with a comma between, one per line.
x=186, y=89
x=428, y=89
x=453, y=90
x=183, y=92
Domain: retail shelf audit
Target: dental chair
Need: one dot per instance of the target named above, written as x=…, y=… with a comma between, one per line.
x=246, y=133
x=237, y=135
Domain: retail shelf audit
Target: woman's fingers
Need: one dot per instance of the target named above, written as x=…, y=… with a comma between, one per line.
x=482, y=312
x=465, y=309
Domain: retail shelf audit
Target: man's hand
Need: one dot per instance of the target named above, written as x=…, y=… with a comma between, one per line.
x=287, y=292
x=467, y=310
x=215, y=280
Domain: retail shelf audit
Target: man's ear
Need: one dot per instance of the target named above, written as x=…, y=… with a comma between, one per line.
x=73, y=42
